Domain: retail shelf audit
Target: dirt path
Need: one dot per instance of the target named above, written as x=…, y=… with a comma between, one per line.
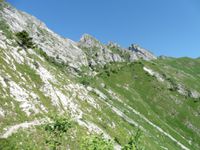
x=13, y=129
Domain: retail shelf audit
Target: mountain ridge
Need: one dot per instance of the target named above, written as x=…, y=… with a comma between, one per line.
x=31, y=24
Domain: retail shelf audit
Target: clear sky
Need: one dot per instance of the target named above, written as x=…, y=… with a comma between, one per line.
x=168, y=27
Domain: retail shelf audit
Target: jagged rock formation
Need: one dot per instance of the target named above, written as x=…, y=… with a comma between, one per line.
x=97, y=52
x=101, y=54
x=141, y=53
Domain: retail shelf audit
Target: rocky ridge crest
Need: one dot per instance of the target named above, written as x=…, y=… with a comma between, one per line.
x=88, y=51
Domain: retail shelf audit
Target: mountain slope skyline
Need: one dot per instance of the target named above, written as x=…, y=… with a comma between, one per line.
x=172, y=31
x=60, y=94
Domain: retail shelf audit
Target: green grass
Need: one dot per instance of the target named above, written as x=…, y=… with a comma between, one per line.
x=29, y=74
x=152, y=99
x=6, y=30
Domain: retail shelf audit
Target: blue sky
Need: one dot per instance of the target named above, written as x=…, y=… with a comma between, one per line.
x=168, y=27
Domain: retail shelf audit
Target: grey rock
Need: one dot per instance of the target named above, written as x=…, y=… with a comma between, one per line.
x=194, y=94
x=50, y=42
x=97, y=53
x=116, y=58
x=141, y=52
x=103, y=85
x=182, y=90
x=89, y=41
x=111, y=44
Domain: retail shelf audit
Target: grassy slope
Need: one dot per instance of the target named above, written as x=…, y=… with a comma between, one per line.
x=30, y=138
x=167, y=109
x=146, y=95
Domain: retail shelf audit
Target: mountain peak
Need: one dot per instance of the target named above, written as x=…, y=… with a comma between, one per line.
x=141, y=52
x=87, y=36
x=89, y=41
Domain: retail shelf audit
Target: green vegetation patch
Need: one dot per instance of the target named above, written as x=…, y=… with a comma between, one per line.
x=6, y=29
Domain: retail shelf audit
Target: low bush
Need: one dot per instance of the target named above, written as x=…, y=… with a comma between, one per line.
x=134, y=142
x=84, y=80
x=24, y=39
x=96, y=142
x=56, y=130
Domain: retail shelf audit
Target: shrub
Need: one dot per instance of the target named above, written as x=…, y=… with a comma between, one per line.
x=43, y=53
x=56, y=130
x=107, y=73
x=36, y=64
x=134, y=142
x=24, y=39
x=117, y=140
x=85, y=80
x=96, y=142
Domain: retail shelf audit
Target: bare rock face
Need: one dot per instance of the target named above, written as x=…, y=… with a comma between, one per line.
x=194, y=94
x=89, y=41
x=96, y=52
x=142, y=53
x=99, y=53
x=47, y=40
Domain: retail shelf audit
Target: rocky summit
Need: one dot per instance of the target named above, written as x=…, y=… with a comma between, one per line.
x=56, y=93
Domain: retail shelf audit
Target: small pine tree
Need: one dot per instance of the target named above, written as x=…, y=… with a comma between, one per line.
x=24, y=39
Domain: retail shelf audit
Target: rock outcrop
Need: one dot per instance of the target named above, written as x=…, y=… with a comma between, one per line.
x=101, y=54
x=141, y=53
x=97, y=53
x=53, y=44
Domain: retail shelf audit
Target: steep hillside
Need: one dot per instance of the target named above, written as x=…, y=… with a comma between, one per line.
x=57, y=93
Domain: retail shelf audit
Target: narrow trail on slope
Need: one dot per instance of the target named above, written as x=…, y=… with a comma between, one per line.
x=13, y=129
